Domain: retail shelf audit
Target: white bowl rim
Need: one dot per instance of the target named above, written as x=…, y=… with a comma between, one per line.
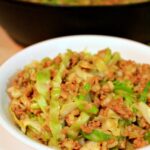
x=27, y=140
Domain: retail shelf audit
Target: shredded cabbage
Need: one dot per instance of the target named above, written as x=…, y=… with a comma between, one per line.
x=80, y=100
x=55, y=124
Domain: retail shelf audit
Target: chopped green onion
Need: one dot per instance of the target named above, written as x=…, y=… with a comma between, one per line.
x=86, y=106
x=81, y=97
x=122, y=86
x=97, y=136
x=147, y=137
x=124, y=122
x=87, y=87
x=144, y=94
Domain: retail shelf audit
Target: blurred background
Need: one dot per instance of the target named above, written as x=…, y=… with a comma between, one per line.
x=28, y=23
x=23, y=23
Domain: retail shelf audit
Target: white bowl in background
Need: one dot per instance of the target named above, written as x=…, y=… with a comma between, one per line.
x=128, y=49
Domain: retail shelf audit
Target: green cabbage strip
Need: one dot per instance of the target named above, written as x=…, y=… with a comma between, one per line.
x=27, y=122
x=75, y=128
x=115, y=148
x=125, y=91
x=20, y=123
x=84, y=104
x=129, y=101
x=97, y=136
x=39, y=102
x=122, y=86
x=67, y=108
x=42, y=86
x=115, y=58
x=42, y=103
x=87, y=87
x=144, y=94
x=124, y=122
x=55, y=123
x=83, y=101
x=102, y=62
x=105, y=55
x=42, y=82
x=147, y=137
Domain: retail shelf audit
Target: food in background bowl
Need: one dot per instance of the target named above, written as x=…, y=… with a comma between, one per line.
x=79, y=100
x=86, y=2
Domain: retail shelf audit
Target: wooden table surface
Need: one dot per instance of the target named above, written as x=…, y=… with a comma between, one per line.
x=7, y=46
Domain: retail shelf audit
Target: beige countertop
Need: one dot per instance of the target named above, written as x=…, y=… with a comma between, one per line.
x=7, y=46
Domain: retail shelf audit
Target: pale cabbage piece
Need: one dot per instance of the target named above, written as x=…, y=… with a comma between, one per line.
x=145, y=110
x=82, y=74
x=67, y=108
x=91, y=146
x=14, y=92
x=111, y=123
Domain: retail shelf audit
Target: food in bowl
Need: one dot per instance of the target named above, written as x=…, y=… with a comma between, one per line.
x=80, y=100
x=86, y=2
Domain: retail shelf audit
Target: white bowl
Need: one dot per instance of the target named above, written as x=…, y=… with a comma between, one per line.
x=128, y=49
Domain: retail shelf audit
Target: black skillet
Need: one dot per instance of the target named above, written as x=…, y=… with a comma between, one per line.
x=28, y=23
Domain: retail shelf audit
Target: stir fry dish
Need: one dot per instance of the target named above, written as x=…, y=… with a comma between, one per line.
x=83, y=101
x=86, y=2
